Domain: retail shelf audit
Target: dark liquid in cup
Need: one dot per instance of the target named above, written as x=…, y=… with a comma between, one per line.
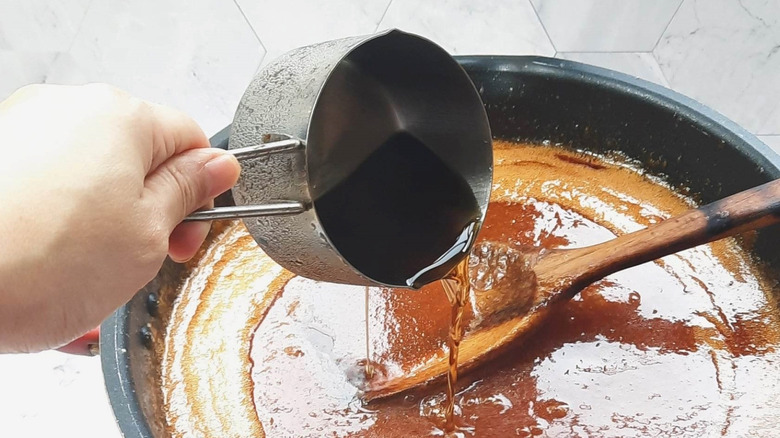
x=403, y=188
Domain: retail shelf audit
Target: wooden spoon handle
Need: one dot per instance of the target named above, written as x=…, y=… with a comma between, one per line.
x=573, y=269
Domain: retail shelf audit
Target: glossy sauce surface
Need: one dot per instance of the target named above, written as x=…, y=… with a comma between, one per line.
x=683, y=346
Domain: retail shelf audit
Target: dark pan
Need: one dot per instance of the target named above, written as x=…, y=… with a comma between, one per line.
x=529, y=99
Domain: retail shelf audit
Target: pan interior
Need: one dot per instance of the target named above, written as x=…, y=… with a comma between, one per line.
x=686, y=334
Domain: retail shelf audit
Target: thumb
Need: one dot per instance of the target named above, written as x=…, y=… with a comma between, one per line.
x=188, y=181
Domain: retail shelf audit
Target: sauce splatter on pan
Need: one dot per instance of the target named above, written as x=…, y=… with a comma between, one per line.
x=683, y=346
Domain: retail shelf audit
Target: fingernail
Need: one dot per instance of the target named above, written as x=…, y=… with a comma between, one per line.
x=222, y=171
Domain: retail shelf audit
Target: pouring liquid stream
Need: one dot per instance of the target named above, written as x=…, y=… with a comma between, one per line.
x=369, y=367
x=456, y=285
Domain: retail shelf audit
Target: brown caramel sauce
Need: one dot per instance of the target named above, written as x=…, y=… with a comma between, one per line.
x=684, y=346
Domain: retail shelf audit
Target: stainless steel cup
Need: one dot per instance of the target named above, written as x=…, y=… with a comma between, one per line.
x=337, y=128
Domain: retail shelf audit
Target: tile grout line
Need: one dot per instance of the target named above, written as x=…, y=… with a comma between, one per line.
x=541, y=23
x=383, y=16
x=667, y=84
x=666, y=27
x=252, y=28
x=81, y=25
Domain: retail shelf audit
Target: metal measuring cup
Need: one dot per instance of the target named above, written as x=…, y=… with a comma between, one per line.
x=311, y=121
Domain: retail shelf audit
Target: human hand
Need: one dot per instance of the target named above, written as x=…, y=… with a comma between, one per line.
x=94, y=185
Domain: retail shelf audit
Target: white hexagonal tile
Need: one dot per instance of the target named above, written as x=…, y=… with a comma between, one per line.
x=773, y=141
x=20, y=68
x=32, y=25
x=726, y=54
x=605, y=25
x=53, y=394
x=196, y=56
x=470, y=27
x=286, y=25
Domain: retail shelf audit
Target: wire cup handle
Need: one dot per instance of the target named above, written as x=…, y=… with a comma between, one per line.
x=281, y=207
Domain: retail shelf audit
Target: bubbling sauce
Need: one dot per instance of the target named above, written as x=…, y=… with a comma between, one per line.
x=686, y=345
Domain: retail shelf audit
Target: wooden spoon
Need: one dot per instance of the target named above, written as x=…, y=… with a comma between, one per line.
x=553, y=277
